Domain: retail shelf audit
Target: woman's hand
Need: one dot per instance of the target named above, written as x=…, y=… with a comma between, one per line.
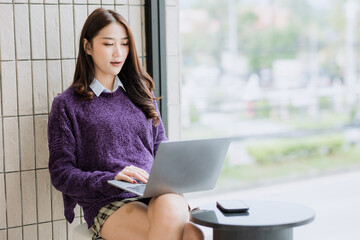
x=130, y=172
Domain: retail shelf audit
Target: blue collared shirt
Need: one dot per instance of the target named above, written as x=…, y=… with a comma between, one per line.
x=98, y=88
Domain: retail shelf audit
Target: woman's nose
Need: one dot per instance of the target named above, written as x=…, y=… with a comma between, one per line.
x=117, y=50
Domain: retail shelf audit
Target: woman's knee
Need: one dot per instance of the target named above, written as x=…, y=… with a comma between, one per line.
x=170, y=206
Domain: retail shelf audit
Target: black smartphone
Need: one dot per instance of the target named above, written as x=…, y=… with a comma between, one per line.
x=232, y=206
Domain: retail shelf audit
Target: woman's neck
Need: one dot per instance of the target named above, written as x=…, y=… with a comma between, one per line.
x=107, y=82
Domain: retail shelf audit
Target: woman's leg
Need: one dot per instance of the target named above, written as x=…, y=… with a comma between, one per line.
x=169, y=219
x=166, y=218
x=192, y=232
x=128, y=222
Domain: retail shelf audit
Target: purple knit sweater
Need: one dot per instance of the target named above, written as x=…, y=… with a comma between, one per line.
x=90, y=141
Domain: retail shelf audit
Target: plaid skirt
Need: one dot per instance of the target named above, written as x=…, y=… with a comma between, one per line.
x=106, y=211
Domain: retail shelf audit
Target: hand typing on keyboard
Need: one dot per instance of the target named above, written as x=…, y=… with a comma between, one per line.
x=131, y=174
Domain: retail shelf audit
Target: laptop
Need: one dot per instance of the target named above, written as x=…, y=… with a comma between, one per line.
x=182, y=167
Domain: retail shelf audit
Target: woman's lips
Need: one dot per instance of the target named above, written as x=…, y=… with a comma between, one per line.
x=116, y=64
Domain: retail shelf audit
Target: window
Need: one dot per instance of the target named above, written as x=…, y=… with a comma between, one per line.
x=281, y=77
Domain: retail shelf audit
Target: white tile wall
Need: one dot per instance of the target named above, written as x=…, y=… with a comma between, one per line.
x=59, y=230
x=41, y=67
x=45, y=231
x=37, y=29
x=3, y=201
x=65, y=1
x=15, y=233
x=143, y=36
x=13, y=199
x=9, y=93
x=54, y=80
x=28, y=186
x=92, y=7
x=57, y=205
x=43, y=195
x=30, y=232
x=7, y=42
x=51, y=1
x=0, y=93
x=1, y=148
x=27, y=142
x=135, y=25
x=40, y=87
x=41, y=150
x=67, y=31
x=25, y=88
x=22, y=31
x=134, y=2
x=80, y=1
x=70, y=227
x=52, y=31
x=121, y=1
x=77, y=211
x=107, y=6
x=108, y=2
x=94, y=1
x=68, y=68
x=143, y=62
x=3, y=234
x=11, y=144
x=123, y=10
x=80, y=17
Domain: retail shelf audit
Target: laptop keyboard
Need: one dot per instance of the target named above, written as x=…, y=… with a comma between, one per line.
x=138, y=188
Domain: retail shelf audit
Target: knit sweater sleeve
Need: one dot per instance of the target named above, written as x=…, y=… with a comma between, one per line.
x=65, y=175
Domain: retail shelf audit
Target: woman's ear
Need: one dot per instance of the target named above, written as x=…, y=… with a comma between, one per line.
x=87, y=46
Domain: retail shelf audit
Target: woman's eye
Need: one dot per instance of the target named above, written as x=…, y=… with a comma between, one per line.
x=125, y=44
x=108, y=44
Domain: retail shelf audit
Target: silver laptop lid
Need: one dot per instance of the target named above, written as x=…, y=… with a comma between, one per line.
x=186, y=166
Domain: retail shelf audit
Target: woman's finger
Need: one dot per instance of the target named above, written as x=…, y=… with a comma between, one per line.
x=130, y=172
x=142, y=172
x=123, y=177
x=133, y=171
x=141, y=177
x=144, y=175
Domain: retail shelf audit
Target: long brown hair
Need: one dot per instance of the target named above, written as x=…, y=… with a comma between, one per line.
x=137, y=82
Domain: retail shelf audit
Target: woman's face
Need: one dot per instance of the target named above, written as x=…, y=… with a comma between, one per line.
x=109, y=50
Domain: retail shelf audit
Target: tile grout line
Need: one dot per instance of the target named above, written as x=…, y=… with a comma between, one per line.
x=33, y=117
x=61, y=73
x=3, y=153
x=18, y=122
x=6, y=202
x=48, y=107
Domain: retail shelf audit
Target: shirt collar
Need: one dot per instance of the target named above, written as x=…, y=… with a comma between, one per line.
x=98, y=88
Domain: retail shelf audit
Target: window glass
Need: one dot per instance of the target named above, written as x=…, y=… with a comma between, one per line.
x=280, y=77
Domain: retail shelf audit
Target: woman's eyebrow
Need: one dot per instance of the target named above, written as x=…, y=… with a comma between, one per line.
x=111, y=38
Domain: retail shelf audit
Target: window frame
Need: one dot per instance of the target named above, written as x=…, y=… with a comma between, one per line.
x=155, y=31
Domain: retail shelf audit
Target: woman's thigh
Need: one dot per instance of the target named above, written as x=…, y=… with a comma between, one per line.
x=128, y=222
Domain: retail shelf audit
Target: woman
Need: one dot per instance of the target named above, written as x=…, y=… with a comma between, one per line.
x=106, y=126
